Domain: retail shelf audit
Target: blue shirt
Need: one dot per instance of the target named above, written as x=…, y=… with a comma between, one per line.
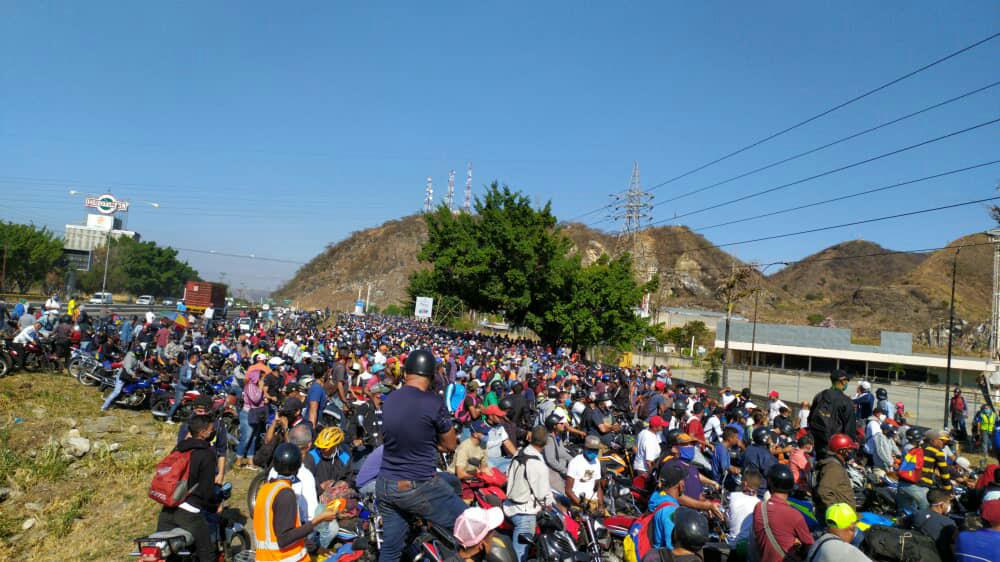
x=721, y=461
x=411, y=422
x=318, y=395
x=977, y=545
x=663, y=520
x=370, y=467
x=758, y=457
x=692, y=483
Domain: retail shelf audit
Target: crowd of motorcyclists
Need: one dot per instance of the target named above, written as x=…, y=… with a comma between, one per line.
x=390, y=438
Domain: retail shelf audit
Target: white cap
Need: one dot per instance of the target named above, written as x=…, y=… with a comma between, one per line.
x=964, y=463
x=866, y=385
x=276, y=361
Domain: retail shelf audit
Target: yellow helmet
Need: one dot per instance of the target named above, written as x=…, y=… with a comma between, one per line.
x=329, y=437
x=840, y=516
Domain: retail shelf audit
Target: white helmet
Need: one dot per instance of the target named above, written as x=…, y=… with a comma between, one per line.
x=866, y=385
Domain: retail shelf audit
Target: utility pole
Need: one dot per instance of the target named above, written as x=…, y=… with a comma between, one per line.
x=368, y=297
x=753, y=339
x=733, y=289
x=632, y=209
x=107, y=258
x=951, y=329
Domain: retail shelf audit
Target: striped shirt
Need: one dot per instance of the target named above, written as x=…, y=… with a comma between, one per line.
x=935, y=471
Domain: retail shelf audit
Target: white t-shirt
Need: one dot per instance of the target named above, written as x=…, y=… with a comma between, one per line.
x=727, y=399
x=804, y=417
x=834, y=550
x=494, y=441
x=305, y=492
x=738, y=514
x=585, y=476
x=209, y=313
x=26, y=335
x=713, y=429
x=774, y=409
x=647, y=449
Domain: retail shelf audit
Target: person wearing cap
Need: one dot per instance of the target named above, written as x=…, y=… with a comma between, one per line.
x=416, y=427
x=936, y=472
x=253, y=414
x=774, y=405
x=555, y=453
x=983, y=544
x=202, y=406
x=472, y=448
x=528, y=490
x=500, y=448
x=474, y=530
x=647, y=445
x=840, y=524
x=864, y=401
x=185, y=379
x=664, y=502
x=316, y=399
x=832, y=412
x=833, y=485
x=583, y=476
x=289, y=415
x=934, y=522
x=681, y=454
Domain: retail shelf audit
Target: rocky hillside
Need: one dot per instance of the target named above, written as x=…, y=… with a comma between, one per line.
x=895, y=292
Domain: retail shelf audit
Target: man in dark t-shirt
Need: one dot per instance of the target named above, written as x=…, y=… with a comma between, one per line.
x=415, y=423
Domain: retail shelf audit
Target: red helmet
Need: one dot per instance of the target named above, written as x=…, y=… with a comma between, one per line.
x=841, y=441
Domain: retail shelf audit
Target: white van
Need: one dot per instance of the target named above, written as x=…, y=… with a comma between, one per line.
x=101, y=298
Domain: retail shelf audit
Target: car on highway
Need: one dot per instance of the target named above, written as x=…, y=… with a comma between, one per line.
x=169, y=302
x=146, y=300
x=246, y=324
x=101, y=298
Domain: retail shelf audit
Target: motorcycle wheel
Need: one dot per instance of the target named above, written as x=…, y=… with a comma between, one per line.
x=89, y=377
x=160, y=407
x=239, y=542
x=255, y=485
x=4, y=367
x=136, y=399
x=7, y=360
x=232, y=425
x=74, y=367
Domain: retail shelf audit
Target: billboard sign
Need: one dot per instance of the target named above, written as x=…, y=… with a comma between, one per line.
x=424, y=307
x=106, y=204
x=359, y=306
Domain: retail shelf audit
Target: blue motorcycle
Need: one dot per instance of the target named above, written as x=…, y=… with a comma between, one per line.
x=134, y=394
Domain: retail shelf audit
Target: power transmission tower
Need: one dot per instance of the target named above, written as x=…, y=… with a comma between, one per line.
x=633, y=210
x=449, y=199
x=428, y=195
x=467, y=206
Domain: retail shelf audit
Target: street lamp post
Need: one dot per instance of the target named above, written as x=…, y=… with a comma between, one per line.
x=951, y=329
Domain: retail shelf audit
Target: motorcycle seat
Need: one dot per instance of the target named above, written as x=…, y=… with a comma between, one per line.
x=178, y=538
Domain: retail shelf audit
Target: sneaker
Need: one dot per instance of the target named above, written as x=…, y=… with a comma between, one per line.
x=171, y=422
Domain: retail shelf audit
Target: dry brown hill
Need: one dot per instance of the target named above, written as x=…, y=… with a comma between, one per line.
x=889, y=292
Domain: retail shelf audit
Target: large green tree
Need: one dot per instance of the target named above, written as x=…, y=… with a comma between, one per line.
x=139, y=268
x=510, y=258
x=31, y=255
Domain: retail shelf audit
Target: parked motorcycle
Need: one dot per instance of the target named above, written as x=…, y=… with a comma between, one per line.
x=175, y=545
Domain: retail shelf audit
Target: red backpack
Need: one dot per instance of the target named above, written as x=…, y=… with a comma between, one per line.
x=640, y=535
x=911, y=468
x=170, y=482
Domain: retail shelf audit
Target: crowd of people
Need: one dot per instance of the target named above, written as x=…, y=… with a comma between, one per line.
x=348, y=416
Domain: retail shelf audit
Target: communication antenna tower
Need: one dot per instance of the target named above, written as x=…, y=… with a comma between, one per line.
x=449, y=199
x=428, y=195
x=632, y=209
x=467, y=206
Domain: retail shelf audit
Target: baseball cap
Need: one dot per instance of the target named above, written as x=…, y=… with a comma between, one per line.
x=839, y=374
x=291, y=404
x=494, y=410
x=938, y=434
x=990, y=511
x=657, y=421
x=840, y=516
x=684, y=439
x=202, y=401
x=671, y=475
x=475, y=523
x=772, y=394
x=592, y=442
x=479, y=427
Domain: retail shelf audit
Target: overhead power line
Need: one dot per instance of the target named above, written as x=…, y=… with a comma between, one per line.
x=808, y=120
x=830, y=144
x=831, y=171
x=848, y=196
x=243, y=256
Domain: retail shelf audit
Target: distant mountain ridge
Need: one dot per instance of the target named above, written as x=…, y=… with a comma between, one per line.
x=856, y=284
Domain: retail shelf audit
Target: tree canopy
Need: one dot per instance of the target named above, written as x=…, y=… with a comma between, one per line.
x=510, y=258
x=32, y=257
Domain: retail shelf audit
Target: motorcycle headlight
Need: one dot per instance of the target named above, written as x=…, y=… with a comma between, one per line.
x=600, y=531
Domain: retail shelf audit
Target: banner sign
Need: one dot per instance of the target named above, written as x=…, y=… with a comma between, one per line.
x=106, y=204
x=424, y=307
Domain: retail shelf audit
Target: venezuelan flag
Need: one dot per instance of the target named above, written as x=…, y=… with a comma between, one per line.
x=181, y=320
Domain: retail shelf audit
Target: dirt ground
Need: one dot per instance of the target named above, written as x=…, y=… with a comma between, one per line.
x=56, y=506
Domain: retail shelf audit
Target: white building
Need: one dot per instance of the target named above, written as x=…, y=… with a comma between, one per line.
x=94, y=234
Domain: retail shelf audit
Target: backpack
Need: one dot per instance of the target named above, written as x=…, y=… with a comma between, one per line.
x=170, y=481
x=639, y=540
x=821, y=421
x=892, y=544
x=911, y=468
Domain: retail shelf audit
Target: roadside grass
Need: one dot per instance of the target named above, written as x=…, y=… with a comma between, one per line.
x=83, y=509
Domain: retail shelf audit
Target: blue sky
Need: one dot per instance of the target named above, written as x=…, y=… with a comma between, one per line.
x=275, y=129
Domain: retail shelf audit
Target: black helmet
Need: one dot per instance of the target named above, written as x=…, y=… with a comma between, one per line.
x=690, y=529
x=552, y=392
x=603, y=397
x=780, y=479
x=287, y=459
x=506, y=404
x=420, y=362
x=551, y=421
x=680, y=406
x=580, y=395
x=496, y=386
x=761, y=436
x=882, y=394
x=913, y=434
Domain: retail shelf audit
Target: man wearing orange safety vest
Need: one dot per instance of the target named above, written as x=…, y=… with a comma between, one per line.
x=277, y=528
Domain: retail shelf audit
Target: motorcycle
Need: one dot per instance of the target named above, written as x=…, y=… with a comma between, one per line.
x=163, y=400
x=80, y=360
x=6, y=361
x=38, y=357
x=552, y=543
x=234, y=541
x=134, y=393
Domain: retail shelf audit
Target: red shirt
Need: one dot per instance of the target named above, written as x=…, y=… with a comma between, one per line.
x=786, y=523
x=162, y=336
x=695, y=429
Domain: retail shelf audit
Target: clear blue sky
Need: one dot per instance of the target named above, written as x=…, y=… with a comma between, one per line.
x=277, y=128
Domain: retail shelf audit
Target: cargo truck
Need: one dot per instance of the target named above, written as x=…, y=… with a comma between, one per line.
x=199, y=294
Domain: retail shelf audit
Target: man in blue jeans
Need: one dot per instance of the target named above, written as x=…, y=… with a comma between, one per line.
x=184, y=378
x=415, y=426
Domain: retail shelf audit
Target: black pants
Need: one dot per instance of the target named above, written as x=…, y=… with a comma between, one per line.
x=193, y=523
